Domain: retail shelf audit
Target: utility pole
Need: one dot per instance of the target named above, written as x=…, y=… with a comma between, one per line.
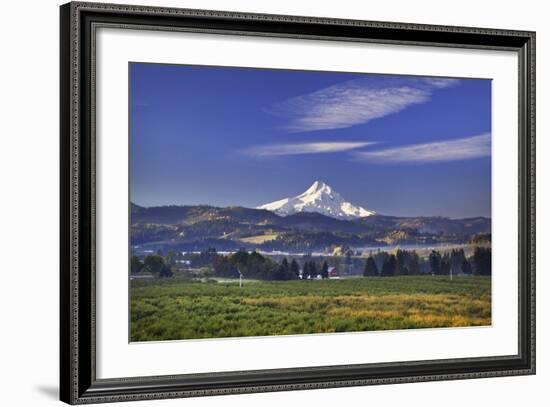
x=240, y=278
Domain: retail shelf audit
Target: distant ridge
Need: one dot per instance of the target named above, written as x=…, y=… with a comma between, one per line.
x=199, y=227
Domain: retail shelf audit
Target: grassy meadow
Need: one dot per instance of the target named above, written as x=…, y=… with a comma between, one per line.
x=171, y=309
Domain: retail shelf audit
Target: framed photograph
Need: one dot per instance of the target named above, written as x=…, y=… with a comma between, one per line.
x=254, y=203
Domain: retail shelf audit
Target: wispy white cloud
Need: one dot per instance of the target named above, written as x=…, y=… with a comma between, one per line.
x=437, y=151
x=357, y=101
x=304, y=148
x=441, y=82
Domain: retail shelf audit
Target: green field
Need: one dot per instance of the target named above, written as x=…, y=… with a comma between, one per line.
x=169, y=309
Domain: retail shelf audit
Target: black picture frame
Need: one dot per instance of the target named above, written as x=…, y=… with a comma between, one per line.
x=78, y=382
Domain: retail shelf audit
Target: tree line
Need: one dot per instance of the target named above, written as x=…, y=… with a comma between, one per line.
x=405, y=262
x=154, y=264
x=256, y=266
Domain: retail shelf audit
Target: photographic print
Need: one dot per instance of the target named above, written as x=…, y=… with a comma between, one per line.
x=286, y=202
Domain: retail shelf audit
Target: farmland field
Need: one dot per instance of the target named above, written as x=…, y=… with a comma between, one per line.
x=170, y=309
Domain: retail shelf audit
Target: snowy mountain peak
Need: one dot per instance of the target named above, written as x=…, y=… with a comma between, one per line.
x=320, y=198
x=318, y=186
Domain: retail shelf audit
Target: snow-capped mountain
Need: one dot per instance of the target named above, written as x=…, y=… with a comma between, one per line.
x=320, y=198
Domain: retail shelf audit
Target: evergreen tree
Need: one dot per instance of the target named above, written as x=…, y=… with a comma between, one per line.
x=379, y=258
x=388, y=268
x=283, y=271
x=384, y=271
x=400, y=257
x=305, y=271
x=435, y=262
x=445, y=266
x=456, y=260
x=324, y=270
x=414, y=265
x=280, y=273
x=285, y=265
x=370, y=268
x=294, y=269
x=313, y=269
x=393, y=264
x=482, y=261
x=240, y=258
x=466, y=267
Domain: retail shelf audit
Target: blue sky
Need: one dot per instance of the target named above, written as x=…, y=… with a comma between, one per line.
x=399, y=145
